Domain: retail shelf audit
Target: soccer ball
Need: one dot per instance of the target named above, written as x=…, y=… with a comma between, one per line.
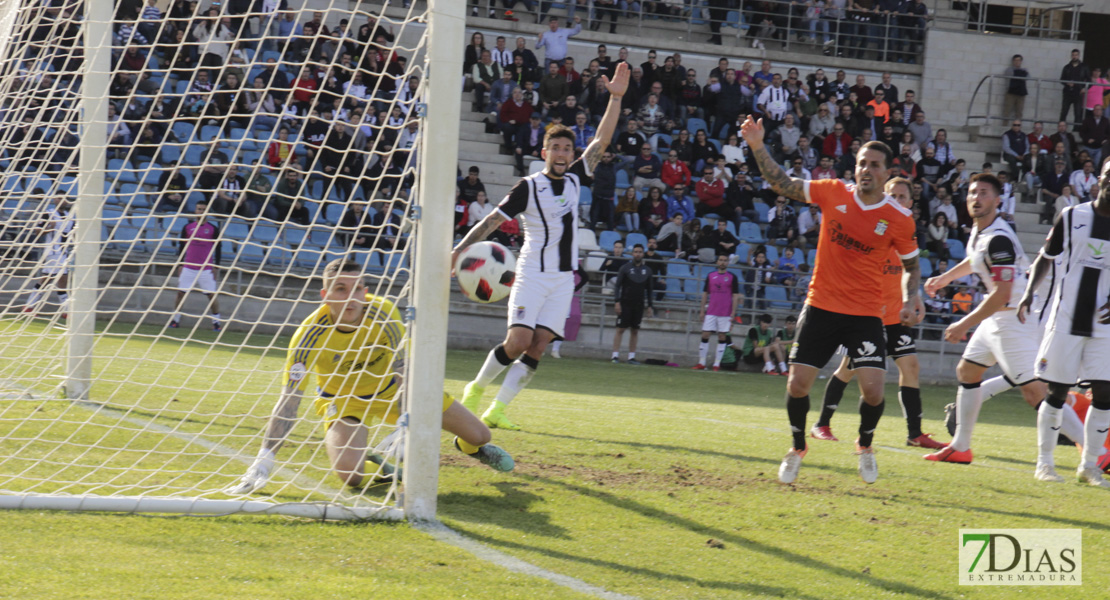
x=486, y=272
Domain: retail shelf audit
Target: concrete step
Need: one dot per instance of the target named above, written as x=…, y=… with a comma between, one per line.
x=1031, y=241
x=471, y=147
x=476, y=130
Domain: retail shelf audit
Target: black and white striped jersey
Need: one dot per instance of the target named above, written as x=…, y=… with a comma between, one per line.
x=1080, y=239
x=548, y=209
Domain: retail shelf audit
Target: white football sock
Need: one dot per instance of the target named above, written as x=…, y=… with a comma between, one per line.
x=176, y=317
x=556, y=345
x=995, y=386
x=616, y=354
x=491, y=368
x=1071, y=425
x=1048, y=430
x=631, y=356
x=515, y=380
x=703, y=351
x=768, y=366
x=1095, y=429
x=216, y=318
x=968, y=401
x=720, y=353
x=782, y=367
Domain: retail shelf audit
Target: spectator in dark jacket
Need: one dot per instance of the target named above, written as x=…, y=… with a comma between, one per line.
x=604, y=193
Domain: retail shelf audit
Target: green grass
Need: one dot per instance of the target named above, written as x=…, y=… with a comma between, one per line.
x=653, y=482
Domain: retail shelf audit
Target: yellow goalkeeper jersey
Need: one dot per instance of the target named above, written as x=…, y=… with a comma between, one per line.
x=357, y=363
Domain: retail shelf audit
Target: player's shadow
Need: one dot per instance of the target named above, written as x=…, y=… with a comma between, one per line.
x=754, y=589
x=513, y=509
x=1026, y=515
x=655, y=447
x=730, y=537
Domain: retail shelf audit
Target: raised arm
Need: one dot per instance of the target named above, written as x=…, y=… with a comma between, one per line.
x=962, y=269
x=608, y=126
x=773, y=174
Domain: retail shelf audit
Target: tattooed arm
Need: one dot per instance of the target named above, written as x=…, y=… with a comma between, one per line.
x=772, y=172
x=608, y=125
x=479, y=232
x=282, y=419
x=913, y=308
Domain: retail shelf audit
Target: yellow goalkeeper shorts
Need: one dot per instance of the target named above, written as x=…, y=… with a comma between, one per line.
x=365, y=409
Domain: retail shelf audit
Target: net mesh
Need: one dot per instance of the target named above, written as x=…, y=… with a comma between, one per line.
x=294, y=130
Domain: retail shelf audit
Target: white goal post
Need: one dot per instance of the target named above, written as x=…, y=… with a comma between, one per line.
x=171, y=187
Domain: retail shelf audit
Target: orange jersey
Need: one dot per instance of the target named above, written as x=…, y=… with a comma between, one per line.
x=855, y=242
x=892, y=289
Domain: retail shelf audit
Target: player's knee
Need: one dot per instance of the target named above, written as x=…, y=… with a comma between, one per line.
x=910, y=369
x=795, y=388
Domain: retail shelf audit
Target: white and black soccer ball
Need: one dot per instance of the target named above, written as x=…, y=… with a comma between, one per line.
x=486, y=272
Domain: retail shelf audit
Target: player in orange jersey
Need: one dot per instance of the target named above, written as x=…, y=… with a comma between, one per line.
x=900, y=347
x=860, y=225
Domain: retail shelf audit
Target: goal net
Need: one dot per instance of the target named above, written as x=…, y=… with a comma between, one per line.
x=173, y=183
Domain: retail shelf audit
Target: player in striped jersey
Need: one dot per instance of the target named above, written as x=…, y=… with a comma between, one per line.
x=354, y=344
x=55, y=267
x=539, y=302
x=1076, y=344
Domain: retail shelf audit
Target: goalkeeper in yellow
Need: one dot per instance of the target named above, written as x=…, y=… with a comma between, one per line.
x=353, y=344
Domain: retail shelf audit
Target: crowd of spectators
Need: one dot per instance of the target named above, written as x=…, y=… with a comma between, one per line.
x=262, y=110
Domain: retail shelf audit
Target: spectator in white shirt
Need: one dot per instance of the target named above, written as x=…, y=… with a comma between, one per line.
x=478, y=209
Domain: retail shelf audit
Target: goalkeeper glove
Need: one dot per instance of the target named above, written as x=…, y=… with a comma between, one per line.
x=257, y=475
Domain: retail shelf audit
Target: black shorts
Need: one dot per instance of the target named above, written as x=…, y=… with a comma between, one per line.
x=900, y=341
x=631, y=315
x=820, y=332
x=753, y=359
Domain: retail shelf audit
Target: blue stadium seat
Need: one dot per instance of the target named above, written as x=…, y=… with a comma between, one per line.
x=730, y=227
x=182, y=131
x=702, y=270
x=322, y=237
x=749, y=232
x=13, y=183
x=741, y=250
x=182, y=87
x=811, y=257
x=194, y=155
x=585, y=197
x=926, y=267
x=169, y=154
x=393, y=261
x=236, y=230
x=761, y=208
x=716, y=142
x=308, y=257
x=956, y=249
x=635, y=238
x=776, y=296
x=208, y=133
x=622, y=179
x=607, y=239
x=772, y=254
x=694, y=124
x=294, y=235
x=677, y=271
x=664, y=141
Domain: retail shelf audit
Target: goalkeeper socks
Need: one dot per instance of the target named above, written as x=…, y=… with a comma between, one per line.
x=1048, y=431
x=464, y=446
x=517, y=378
x=868, y=421
x=496, y=361
x=968, y=400
x=834, y=391
x=796, y=409
x=703, y=351
x=995, y=386
x=719, y=355
x=910, y=398
x=1098, y=421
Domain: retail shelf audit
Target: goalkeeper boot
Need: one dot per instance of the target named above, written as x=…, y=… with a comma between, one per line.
x=495, y=418
x=472, y=396
x=388, y=473
x=492, y=456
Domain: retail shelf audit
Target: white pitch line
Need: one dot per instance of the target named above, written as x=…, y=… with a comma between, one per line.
x=445, y=534
x=436, y=529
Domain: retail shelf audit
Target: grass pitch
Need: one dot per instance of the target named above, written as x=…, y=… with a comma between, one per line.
x=646, y=481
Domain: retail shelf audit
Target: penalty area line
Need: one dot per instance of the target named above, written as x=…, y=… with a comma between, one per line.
x=481, y=551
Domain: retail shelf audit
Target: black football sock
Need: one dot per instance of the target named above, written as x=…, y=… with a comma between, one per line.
x=868, y=421
x=834, y=391
x=796, y=409
x=910, y=397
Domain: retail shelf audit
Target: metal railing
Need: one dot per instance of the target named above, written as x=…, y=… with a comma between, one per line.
x=1043, y=103
x=888, y=38
x=1036, y=17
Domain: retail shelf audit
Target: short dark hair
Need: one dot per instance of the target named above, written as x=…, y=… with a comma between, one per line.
x=640, y=246
x=766, y=318
x=988, y=179
x=558, y=131
x=1017, y=56
x=888, y=154
x=791, y=319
